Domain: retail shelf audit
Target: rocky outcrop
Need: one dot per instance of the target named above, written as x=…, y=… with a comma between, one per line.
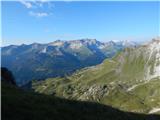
x=94, y=93
x=7, y=76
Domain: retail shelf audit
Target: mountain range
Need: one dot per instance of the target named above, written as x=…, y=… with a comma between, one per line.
x=59, y=58
x=128, y=81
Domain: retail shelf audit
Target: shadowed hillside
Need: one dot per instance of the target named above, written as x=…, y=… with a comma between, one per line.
x=7, y=76
x=20, y=105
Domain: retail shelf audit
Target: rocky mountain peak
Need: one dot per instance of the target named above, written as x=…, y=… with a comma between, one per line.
x=57, y=43
x=155, y=44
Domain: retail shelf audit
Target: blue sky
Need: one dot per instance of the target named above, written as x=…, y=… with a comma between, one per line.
x=43, y=22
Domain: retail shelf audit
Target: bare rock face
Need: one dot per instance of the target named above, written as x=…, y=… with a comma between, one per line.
x=94, y=93
x=154, y=59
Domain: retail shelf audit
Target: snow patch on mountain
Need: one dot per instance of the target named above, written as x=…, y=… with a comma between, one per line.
x=126, y=43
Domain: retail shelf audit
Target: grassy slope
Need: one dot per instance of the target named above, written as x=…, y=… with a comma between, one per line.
x=125, y=70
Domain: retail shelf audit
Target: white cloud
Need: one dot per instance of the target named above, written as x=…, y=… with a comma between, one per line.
x=26, y=3
x=36, y=3
x=38, y=14
x=38, y=8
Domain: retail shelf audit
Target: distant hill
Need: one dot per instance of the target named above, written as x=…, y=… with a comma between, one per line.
x=58, y=58
x=7, y=76
x=129, y=81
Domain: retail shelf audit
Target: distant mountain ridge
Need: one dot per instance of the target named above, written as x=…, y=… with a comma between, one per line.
x=58, y=58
